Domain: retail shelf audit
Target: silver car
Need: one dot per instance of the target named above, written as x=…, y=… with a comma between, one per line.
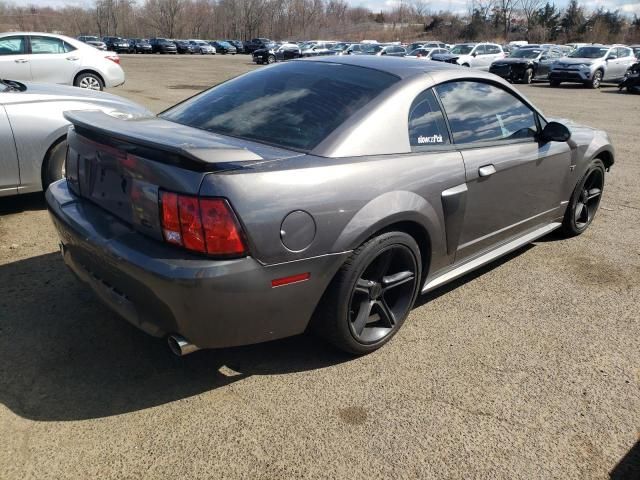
x=325, y=193
x=33, y=130
x=45, y=57
x=591, y=65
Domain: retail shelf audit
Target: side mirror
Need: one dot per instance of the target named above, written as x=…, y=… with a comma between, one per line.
x=612, y=57
x=555, y=132
x=474, y=54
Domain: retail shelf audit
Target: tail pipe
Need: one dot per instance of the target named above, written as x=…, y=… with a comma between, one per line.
x=180, y=346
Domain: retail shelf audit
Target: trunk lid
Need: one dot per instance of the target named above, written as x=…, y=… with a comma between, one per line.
x=122, y=164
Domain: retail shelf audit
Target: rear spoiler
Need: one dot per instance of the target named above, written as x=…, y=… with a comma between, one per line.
x=164, y=141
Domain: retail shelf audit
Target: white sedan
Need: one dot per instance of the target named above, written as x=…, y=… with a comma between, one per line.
x=49, y=58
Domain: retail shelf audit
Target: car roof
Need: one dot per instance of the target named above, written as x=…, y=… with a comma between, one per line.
x=398, y=66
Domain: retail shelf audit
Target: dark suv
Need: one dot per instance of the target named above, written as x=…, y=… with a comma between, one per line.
x=138, y=45
x=255, y=44
x=162, y=45
x=183, y=46
x=116, y=44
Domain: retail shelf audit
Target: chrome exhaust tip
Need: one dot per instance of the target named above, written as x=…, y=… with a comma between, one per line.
x=180, y=346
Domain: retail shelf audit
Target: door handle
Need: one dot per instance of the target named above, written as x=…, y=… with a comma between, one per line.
x=486, y=170
x=21, y=60
x=72, y=58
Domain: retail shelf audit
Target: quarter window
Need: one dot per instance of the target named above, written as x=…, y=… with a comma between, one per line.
x=12, y=46
x=427, y=127
x=480, y=112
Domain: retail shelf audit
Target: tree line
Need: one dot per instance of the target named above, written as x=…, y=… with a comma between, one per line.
x=495, y=20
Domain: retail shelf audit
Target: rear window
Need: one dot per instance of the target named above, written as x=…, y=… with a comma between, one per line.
x=294, y=105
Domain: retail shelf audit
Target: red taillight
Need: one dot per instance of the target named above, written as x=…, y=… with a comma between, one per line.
x=206, y=225
x=113, y=58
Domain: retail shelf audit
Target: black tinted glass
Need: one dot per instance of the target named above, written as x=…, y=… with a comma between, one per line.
x=426, y=122
x=479, y=112
x=294, y=105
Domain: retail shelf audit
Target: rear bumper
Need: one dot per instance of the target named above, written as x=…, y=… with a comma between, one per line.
x=162, y=290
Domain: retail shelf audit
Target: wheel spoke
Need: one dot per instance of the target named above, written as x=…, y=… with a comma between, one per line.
x=580, y=210
x=593, y=193
x=397, y=279
x=383, y=264
x=386, y=313
x=364, y=286
x=363, y=316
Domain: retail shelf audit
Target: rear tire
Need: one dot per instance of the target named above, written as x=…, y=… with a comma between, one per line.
x=584, y=201
x=89, y=81
x=372, y=294
x=53, y=165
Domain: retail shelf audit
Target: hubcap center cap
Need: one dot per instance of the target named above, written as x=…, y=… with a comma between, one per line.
x=375, y=291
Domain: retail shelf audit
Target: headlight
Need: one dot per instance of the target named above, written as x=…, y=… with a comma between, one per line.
x=584, y=66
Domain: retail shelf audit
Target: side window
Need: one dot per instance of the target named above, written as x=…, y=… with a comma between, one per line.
x=481, y=50
x=623, y=52
x=492, y=49
x=12, y=46
x=480, y=112
x=426, y=122
x=68, y=47
x=46, y=45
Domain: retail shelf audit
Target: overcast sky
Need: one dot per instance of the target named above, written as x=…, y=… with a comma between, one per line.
x=629, y=7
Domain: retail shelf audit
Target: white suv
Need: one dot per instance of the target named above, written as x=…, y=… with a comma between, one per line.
x=474, y=55
x=49, y=58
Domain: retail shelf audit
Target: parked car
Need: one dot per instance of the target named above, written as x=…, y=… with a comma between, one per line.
x=592, y=65
x=33, y=130
x=474, y=55
x=325, y=192
x=631, y=81
x=254, y=44
x=223, y=47
x=50, y=58
x=116, y=44
x=380, y=49
x=202, y=47
x=426, y=53
x=183, y=46
x=526, y=64
x=275, y=52
x=316, y=49
x=162, y=46
x=354, y=49
x=139, y=45
x=238, y=44
x=95, y=42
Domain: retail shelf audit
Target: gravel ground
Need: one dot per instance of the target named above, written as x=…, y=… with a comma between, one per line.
x=525, y=369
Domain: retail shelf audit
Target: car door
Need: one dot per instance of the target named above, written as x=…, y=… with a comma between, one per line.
x=493, y=53
x=477, y=56
x=53, y=60
x=544, y=64
x=514, y=182
x=9, y=170
x=14, y=61
x=624, y=61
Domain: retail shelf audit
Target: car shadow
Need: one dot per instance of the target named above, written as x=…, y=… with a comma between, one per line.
x=22, y=203
x=628, y=468
x=572, y=86
x=65, y=356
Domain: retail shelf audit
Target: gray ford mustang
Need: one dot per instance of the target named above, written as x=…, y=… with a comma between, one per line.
x=33, y=130
x=323, y=193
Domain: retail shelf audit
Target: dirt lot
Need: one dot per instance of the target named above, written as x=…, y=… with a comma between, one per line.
x=526, y=369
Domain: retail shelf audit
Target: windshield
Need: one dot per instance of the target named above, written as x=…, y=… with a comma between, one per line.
x=462, y=49
x=294, y=105
x=589, y=52
x=372, y=48
x=526, y=53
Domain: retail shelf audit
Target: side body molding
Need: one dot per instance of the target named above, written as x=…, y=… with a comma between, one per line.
x=454, y=201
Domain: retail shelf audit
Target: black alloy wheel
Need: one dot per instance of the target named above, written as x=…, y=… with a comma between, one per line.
x=528, y=76
x=372, y=294
x=585, y=200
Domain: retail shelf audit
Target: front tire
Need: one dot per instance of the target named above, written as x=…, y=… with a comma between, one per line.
x=585, y=200
x=271, y=59
x=596, y=80
x=528, y=76
x=372, y=294
x=89, y=81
